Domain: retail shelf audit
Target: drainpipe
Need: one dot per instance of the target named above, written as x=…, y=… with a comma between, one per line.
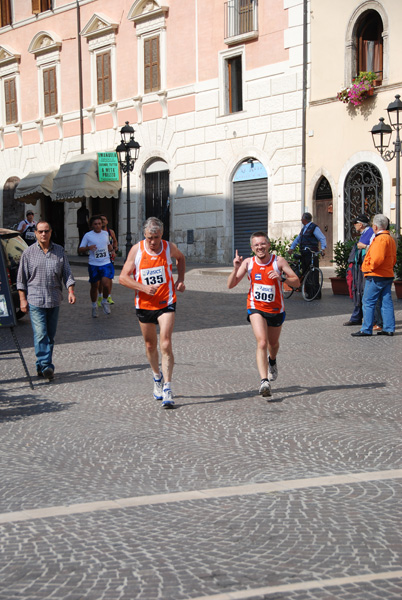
x=80, y=76
x=304, y=110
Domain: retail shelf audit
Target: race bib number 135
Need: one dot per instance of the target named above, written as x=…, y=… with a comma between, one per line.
x=154, y=276
x=264, y=293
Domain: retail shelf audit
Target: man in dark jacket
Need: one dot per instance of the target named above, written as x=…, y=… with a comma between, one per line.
x=309, y=238
x=356, y=257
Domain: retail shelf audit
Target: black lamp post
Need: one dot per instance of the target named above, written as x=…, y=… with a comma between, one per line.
x=381, y=138
x=127, y=152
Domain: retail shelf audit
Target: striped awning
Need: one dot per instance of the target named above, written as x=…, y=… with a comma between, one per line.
x=78, y=179
x=35, y=186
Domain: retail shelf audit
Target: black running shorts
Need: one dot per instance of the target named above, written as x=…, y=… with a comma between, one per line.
x=151, y=316
x=273, y=320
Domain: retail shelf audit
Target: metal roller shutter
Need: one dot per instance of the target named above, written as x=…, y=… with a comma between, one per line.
x=250, y=212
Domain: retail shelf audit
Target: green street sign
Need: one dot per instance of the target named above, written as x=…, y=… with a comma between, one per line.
x=108, y=166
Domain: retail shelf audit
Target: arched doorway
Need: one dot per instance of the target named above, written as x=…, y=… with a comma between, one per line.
x=362, y=194
x=13, y=210
x=250, y=204
x=323, y=216
x=157, y=201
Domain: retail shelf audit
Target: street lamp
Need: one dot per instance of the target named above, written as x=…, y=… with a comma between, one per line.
x=127, y=152
x=381, y=138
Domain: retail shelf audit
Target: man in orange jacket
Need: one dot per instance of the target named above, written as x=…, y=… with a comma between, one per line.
x=378, y=269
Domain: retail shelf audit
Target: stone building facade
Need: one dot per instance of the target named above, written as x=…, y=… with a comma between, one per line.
x=345, y=173
x=213, y=90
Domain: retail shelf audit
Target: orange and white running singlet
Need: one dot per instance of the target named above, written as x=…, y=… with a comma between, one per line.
x=265, y=294
x=154, y=269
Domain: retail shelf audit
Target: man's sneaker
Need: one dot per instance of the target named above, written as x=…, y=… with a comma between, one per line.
x=100, y=301
x=39, y=373
x=167, y=401
x=158, y=388
x=110, y=300
x=272, y=372
x=94, y=312
x=106, y=307
x=48, y=373
x=265, y=388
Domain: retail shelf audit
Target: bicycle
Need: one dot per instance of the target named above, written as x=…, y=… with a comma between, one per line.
x=311, y=280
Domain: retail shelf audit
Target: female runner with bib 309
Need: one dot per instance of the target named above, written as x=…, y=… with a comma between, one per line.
x=148, y=271
x=265, y=305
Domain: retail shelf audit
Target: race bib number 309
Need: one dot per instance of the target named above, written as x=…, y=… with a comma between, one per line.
x=264, y=293
x=154, y=276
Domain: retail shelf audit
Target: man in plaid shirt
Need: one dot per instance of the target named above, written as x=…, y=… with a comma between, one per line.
x=43, y=269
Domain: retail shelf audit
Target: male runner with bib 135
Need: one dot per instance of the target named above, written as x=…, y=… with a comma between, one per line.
x=148, y=271
x=265, y=305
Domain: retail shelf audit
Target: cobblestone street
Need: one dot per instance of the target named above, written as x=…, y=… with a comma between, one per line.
x=106, y=496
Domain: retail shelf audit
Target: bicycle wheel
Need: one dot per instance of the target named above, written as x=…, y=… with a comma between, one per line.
x=287, y=291
x=312, y=284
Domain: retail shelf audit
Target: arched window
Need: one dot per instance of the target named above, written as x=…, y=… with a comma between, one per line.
x=369, y=44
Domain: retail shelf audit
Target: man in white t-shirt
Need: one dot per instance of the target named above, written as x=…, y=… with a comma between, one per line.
x=100, y=267
x=27, y=228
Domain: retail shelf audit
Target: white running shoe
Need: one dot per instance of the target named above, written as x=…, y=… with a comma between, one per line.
x=106, y=307
x=158, y=388
x=167, y=401
x=95, y=312
x=265, y=389
x=272, y=372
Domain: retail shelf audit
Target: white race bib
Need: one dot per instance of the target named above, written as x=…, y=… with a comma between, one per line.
x=264, y=293
x=101, y=253
x=30, y=235
x=153, y=276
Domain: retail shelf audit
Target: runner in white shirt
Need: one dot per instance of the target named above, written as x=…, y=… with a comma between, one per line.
x=100, y=267
x=27, y=228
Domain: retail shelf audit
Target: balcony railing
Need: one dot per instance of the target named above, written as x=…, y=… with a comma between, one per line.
x=241, y=18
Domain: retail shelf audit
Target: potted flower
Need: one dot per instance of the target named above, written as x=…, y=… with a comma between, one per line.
x=343, y=95
x=362, y=87
x=398, y=270
x=341, y=259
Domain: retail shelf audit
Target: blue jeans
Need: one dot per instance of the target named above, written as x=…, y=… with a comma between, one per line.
x=44, y=325
x=378, y=288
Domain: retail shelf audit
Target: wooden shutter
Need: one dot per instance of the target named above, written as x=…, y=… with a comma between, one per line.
x=50, y=91
x=11, y=101
x=5, y=13
x=39, y=6
x=151, y=65
x=103, y=76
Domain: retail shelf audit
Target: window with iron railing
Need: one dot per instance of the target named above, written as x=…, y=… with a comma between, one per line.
x=241, y=18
